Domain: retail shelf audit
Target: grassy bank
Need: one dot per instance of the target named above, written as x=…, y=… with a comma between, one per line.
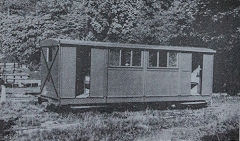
x=33, y=122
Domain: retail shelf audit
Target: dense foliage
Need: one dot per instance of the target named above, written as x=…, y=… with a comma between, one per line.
x=213, y=24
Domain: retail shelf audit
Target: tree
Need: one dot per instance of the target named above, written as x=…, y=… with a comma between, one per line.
x=20, y=35
x=160, y=22
x=211, y=24
x=216, y=26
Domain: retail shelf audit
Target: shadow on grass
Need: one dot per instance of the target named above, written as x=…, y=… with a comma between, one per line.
x=230, y=135
x=5, y=128
x=122, y=107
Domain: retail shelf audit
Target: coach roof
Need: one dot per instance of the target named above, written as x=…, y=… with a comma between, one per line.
x=79, y=43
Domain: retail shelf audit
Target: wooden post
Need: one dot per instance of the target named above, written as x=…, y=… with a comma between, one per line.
x=3, y=95
x=211, y=101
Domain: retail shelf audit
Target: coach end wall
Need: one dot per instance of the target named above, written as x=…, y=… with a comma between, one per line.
x=54, y=73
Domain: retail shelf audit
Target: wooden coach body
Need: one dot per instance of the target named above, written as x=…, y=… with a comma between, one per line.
x=121, y=73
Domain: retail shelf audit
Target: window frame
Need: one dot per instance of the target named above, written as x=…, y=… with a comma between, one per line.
x=158, y=67
x=120, y=58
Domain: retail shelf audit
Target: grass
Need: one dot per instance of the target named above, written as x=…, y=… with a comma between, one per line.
x=33, y=122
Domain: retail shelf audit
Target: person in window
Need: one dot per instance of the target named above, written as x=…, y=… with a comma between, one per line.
x=127, y=64
x=126, y=57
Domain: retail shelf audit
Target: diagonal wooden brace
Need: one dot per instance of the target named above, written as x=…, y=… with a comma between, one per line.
x=49, y=71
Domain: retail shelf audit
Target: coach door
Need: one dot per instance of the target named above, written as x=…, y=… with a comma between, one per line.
x=83, y=67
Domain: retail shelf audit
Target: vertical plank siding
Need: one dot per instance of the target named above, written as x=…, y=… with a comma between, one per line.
x=68, y=72
x=185, y=69
x=98, y=74
x=161, y=82
x=207, y=74
x=125, y=82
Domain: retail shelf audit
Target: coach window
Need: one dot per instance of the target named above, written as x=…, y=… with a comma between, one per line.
x=114, y=57
x=125, y=57
x=162, y=59
x=136, y=58
x=34, y=84
x=153, y=58
x=172, y=59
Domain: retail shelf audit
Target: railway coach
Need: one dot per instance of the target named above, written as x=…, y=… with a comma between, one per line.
x=78, y=72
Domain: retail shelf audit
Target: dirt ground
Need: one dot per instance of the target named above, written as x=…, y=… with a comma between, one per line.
x=22, y=118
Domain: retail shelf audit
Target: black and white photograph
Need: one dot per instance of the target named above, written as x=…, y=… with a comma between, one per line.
x=119, y=70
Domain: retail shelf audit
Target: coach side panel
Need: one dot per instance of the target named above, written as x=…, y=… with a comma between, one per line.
x=98, y=74
x=207, y=74
x=185, y=70
x=68, y=72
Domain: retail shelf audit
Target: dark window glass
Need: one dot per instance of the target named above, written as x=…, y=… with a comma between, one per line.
x=152, y=58
x=136, y=58
x=162, y=58
x=126, y=57
x=8, y=85
x=114, y=55
x=28, y=85
x=34, y=84
x=172, y=60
